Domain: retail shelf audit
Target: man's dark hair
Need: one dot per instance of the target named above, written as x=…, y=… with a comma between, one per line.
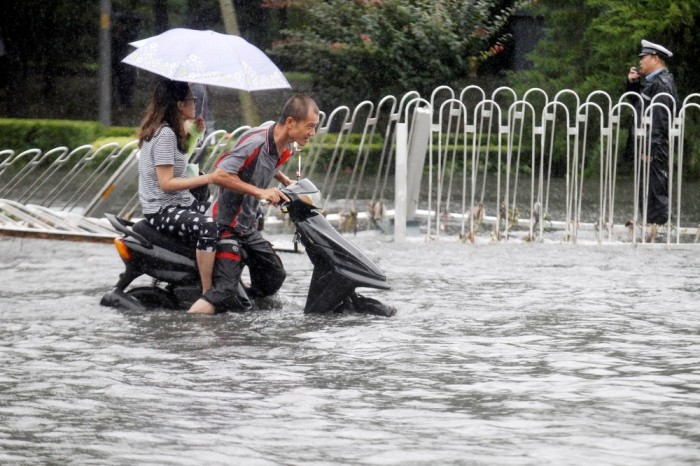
x=298, y=107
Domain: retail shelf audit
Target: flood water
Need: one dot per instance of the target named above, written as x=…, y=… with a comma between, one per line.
x=500, y=354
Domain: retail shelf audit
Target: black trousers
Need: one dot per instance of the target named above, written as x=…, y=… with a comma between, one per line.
x=235, y=251
x=657, y=201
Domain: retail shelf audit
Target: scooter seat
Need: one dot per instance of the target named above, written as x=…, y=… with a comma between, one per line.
x=145, y=229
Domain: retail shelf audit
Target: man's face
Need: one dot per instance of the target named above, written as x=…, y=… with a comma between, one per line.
x=302, y=131
x=648, y=64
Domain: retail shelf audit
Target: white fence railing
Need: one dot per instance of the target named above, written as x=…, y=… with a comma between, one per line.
x=521, y=165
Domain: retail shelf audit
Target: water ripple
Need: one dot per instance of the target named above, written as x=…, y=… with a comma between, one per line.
x=508, y=354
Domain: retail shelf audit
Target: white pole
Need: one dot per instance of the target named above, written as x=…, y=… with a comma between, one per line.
x=400, y=197
x=418, y=147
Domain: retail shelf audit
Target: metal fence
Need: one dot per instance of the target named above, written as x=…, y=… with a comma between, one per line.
x=455, y=164
x=526, y=136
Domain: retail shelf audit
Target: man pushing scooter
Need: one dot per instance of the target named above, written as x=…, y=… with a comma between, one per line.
x=242, y=176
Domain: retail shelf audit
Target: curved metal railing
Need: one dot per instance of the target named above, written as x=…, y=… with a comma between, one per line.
x=491, y=164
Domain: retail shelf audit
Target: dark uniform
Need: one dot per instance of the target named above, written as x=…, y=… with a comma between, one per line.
x=657, y=138
x=255, y=160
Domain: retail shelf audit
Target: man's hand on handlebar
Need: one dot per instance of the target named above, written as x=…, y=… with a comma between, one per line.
x=272, y=196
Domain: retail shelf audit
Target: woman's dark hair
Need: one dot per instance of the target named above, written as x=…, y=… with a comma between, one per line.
x=163, y=109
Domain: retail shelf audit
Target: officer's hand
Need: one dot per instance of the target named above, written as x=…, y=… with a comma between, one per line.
x=633, y=75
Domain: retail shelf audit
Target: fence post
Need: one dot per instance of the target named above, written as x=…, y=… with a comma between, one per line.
x=401, y=179
x=420, y=137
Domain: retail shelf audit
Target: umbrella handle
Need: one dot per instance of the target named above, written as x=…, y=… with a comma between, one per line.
x=204, y=101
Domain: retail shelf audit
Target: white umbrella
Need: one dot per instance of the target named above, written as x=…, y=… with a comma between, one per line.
x=207, y=57
x=139, y=43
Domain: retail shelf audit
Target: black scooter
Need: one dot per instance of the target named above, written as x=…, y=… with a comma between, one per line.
x=339, y=266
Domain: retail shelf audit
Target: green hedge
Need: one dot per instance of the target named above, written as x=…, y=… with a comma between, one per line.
x=20, y=134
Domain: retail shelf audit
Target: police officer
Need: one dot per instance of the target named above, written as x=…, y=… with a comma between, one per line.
x=657, y=80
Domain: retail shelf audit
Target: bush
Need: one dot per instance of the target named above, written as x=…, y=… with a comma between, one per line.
x=20, y=135
x=363, y=50
x=121, y=140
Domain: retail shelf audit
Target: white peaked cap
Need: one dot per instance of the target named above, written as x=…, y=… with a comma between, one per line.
x=650, y=48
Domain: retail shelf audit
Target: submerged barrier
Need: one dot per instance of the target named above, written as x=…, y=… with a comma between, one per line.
x=453, y=164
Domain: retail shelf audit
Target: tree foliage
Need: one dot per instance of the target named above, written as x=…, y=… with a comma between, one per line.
x=367, y=49
x=590, y=44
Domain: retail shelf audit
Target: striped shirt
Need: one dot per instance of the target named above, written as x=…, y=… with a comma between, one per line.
x=161, y=150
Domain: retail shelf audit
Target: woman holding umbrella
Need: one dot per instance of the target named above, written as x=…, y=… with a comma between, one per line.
x=164, y=187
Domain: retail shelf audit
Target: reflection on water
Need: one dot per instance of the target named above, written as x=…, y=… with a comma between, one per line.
x=518, y=354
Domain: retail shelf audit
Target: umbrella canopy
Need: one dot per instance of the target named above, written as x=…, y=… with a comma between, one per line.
x=207, y=57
